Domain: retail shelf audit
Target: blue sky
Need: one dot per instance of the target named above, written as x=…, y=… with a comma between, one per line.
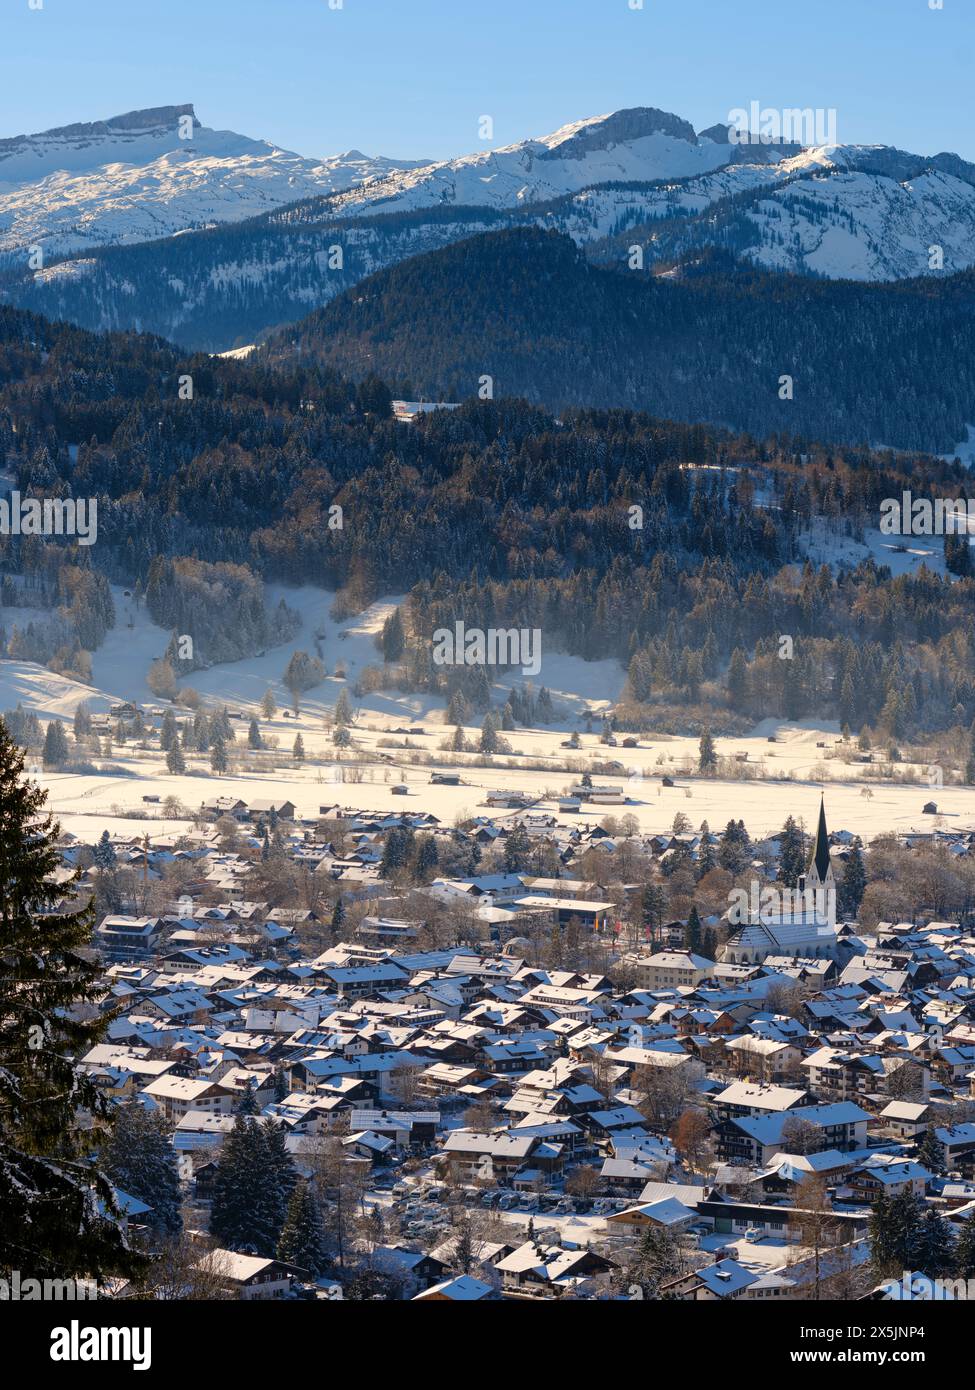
x=411, y=77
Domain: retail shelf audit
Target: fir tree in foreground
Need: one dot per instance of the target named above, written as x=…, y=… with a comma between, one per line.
x=140, y=1159
x=56, y=1208
x=302, y=1238
x=252, y=1187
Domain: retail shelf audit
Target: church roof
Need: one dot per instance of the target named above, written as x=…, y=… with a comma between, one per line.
x=820, y=853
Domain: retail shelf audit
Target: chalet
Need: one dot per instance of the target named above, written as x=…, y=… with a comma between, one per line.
x=251, y=1276
x=176, y=1096
x=217, y=807
x=670, y=970
x=549, y=1271
x=122, y=937
x=284, y=810
x=492, y=1157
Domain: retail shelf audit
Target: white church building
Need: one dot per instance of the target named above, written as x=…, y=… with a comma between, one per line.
x=788, y=922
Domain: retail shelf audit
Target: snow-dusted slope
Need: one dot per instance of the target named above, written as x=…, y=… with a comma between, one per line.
x=134, y=178
x=642, y=143
x=863, y=226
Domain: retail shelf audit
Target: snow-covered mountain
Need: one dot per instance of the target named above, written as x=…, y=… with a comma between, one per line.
x=641, y=143
x=89, y=194
x=136, y=177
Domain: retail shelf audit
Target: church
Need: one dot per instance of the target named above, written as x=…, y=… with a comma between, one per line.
x=781, y=921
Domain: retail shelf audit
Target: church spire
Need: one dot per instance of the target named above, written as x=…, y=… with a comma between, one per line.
x=819, y=865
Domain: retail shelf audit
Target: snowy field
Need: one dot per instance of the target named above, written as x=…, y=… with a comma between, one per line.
x=786, y=774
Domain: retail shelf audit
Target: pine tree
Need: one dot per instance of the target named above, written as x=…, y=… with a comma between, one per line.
x=396, y=851
x=338, y=918
x=168, y=732
x=792, y=856
x=489, y=735
x=707, y=857
x=175, y=761
x=653, y=904
x=906, y=1213
x=105, y=858
x=82, y=720
x=659, y=1259
x=707, y=760
x=140, y=1159
x=298, y=749
x=343, y=708
x=517, y=848
x=247, y=1105
x=302, y=1239
x=281, y=1170
x=393, y=639
x=853, y=882
x=55, y=745
x=883, y=1255
x=56, y=1208
x=965, y=1248
x=692, y=932
x=737, y=680
x=930, y=1154
x=268, y=706
x=218, y=756
x=254, y=739
x=427, y=859
x=250, y=1194
x=934, y=1246
x=457, y=710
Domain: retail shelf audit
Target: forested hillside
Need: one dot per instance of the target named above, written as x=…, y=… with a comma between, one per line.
x=890, y=364
x=498, y=512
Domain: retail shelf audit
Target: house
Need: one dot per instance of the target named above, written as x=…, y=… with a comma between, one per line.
x=592, y=916
x=492, y=1157
x=769, y=1060
x=215, y=807
x=906, y=1119
x=121, y=937
x=461, y=1289
x=283, y=809
x=957, y=1144
x=755, y=1139
x=176, y=1096
x=548, y=1271
x=413, y=1266
x=892, y=1179
x=667, y=1214
x=744, y=1098
x=726, y=1279
x=251, y=1276
x=670, y=970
